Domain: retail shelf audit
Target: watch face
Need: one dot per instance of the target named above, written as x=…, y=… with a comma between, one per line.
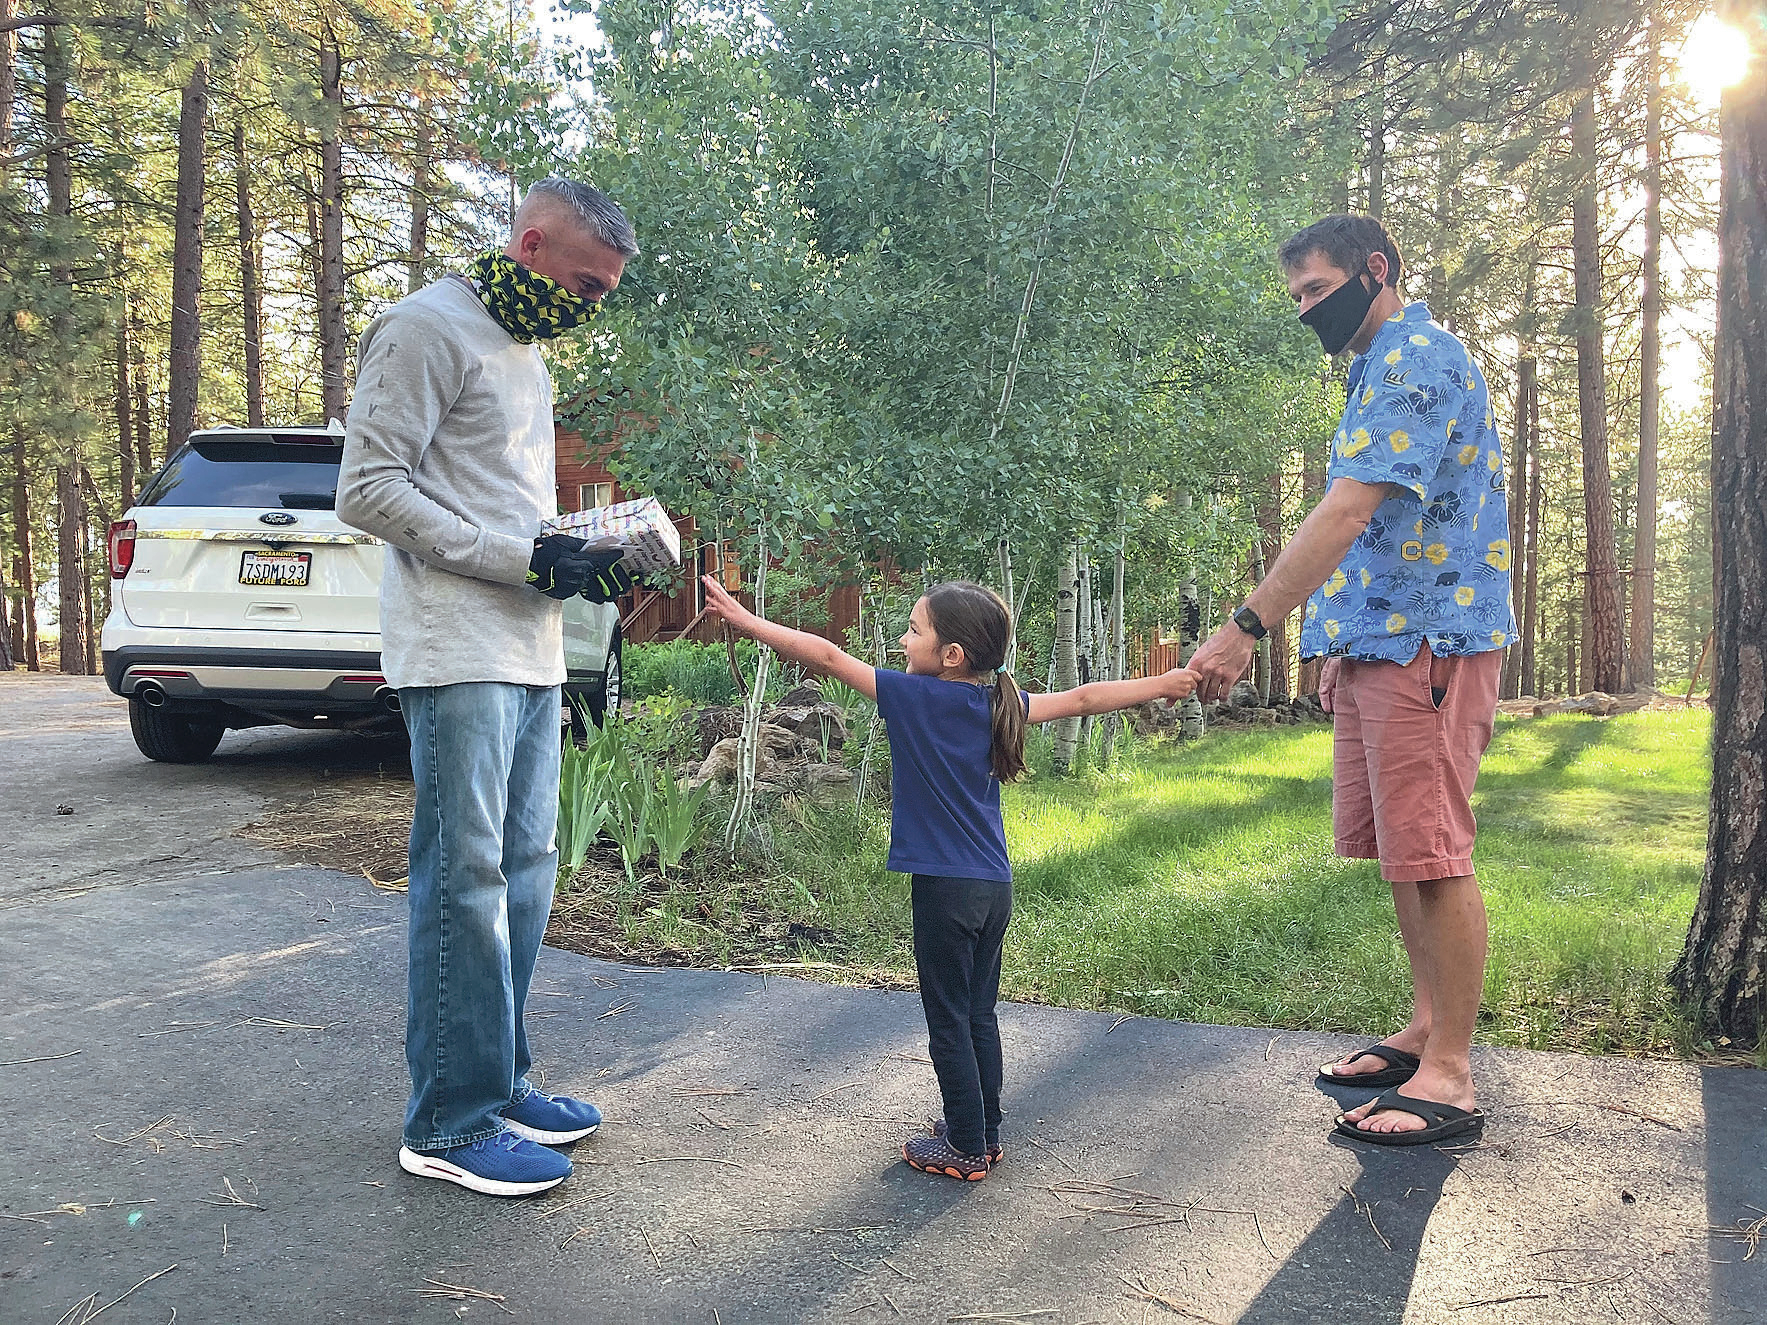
x=1247, y=620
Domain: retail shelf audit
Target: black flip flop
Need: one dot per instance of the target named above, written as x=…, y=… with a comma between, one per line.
x=1401, y=1068
x=1442, y=1121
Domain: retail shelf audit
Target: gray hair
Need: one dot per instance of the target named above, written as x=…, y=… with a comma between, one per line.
x=598, y=214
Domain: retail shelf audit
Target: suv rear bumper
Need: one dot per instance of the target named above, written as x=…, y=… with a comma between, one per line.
x=281, y=684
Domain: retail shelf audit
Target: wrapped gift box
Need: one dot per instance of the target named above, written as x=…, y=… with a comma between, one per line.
x=641, y=528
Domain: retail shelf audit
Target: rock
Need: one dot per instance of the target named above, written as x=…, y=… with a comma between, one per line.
x=807, y=695
x=778, y=746
x=1263, y=717
x=1595, y=704
x=712, y=725
x=813, y=726
x=1244, y=695
x=828, y=784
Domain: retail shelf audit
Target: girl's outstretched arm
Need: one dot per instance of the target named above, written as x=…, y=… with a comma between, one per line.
x=812, y=651
x=1108, y=696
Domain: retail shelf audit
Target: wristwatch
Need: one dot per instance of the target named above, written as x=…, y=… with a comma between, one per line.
x=1247, y=620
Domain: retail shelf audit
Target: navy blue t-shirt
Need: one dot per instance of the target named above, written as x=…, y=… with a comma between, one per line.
x=945, y=816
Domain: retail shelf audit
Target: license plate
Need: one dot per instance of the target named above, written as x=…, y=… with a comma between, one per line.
x=285, y=570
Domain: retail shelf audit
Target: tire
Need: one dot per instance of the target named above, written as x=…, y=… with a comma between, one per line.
x=173, y=738
x=593, y=703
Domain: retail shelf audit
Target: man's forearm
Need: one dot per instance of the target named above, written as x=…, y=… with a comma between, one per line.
x=1317, y=549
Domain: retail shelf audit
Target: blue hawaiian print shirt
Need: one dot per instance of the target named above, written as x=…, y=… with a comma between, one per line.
x=1433, y=563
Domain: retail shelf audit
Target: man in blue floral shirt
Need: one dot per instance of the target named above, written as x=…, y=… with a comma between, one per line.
x=1405, y=568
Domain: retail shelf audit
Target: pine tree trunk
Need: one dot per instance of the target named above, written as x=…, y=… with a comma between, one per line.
x=8, y=74
x=1722, y=973
x=1066, y=673
x=143, y=416
x=24, y=629
x=1640, y=655
x=184, y=360
x=70, y=540
x=1530, y=622
x=1518, y=466
x=1602, y=651
x=1377, y=143
x=420, y=186
x=251, y=298
x=124, y=413
x=8, y=658
x=331, y=232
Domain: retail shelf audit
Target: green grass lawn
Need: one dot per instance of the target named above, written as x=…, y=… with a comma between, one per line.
x=1197, y=882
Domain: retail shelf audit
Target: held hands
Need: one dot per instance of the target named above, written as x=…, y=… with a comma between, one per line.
x=1221, y=661
x=563, y=567
x=1177, y=684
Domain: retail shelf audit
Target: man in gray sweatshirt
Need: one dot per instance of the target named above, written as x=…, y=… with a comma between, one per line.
x=450, y=458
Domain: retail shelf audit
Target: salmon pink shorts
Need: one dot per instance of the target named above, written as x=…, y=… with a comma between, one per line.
x=1404, y=766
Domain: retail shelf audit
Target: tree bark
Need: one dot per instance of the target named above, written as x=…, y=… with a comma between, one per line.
x=420, y=187
x=1722, y=973
x=70, y=539
x=1640, y=655
x=8, y=659
x=8, y=74
x=23, y=573
x=251, y=298
x=1067, y=659
x=1530, y=623
x=331, y=230
x=184, y=361
x=1377, y=143
x=1274, y=684
x=1602, y=645
x=124, y=411
x=1518, y=466
x=70, y=527
x=143, y=416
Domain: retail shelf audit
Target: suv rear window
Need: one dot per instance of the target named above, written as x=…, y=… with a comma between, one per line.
x=257, y=470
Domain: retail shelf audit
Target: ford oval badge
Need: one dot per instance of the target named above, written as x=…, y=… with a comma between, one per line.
x=277, y=517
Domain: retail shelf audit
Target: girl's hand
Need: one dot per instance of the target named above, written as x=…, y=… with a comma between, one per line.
x=720, y=604
x=1179, y=683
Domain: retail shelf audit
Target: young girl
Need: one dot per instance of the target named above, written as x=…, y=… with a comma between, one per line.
x=956, y=726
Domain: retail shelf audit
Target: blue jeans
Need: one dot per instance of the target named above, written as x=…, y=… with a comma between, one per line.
x=484, y=858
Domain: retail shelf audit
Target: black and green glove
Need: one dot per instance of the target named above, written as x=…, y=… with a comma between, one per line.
x=563, y=567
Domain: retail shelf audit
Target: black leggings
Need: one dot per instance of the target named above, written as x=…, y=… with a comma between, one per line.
x=959, y=925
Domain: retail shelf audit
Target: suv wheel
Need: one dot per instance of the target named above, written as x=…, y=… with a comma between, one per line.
x=588, y=705
x=173, y=738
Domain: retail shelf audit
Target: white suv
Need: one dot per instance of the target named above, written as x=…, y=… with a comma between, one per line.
x=239, y=599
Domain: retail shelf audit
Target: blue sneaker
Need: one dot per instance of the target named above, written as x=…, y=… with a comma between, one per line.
x=501, y=1165
x=552, y=1120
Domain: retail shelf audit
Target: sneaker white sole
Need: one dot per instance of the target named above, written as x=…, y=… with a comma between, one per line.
x=547, y=1138
x=433, y=1166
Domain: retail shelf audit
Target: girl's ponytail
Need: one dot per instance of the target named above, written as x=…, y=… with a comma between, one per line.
x=1008, y=749
x=973, y=617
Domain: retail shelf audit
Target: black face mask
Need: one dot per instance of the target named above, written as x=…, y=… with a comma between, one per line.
x=1337, y=317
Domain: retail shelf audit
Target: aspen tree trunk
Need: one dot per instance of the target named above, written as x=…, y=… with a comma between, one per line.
x=1722, y=972
x=1117, y=666
x=1603, y=645
x=1004, y=549
x=1084, y=636
x=879, y=657
x=1066, y=672
x=331, y=230
x=1641, y=655
x=748, y=746
x=251, y=298
x=1190, y=712
x=420, y=187
x=184, y=361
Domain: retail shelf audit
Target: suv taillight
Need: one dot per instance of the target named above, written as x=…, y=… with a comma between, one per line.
x=122, y=548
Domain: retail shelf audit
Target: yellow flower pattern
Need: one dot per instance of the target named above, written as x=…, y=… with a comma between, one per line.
x=1433, y=563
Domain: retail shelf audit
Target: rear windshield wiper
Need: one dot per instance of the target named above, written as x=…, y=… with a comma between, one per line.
x=309, y=501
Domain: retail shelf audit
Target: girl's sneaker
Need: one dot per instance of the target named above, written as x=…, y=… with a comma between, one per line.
x=934, y=1154
x=995, y=1153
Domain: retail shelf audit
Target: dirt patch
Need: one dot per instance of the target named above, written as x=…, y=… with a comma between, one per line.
x=358, y=825
x=1597, y=704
